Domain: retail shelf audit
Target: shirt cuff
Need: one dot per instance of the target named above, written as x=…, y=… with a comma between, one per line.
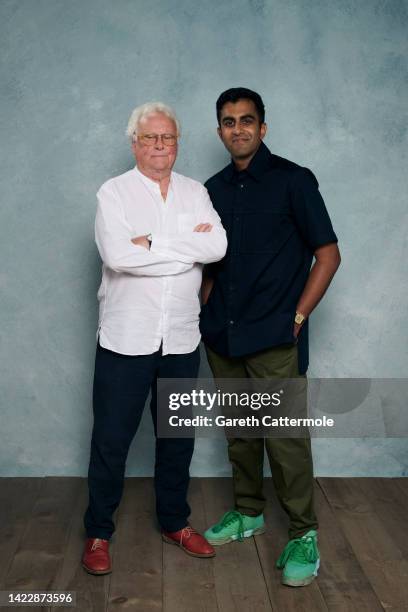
x=159, y=243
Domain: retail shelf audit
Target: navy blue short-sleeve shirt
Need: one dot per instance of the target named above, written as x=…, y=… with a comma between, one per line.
x=275, y=219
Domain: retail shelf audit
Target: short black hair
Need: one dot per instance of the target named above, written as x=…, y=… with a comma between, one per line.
x=241, y=93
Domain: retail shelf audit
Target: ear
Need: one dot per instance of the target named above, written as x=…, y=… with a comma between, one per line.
x=264, y=129
x=219, y=132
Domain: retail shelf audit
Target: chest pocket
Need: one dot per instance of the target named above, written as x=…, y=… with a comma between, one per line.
x=263, y=231
x=186, y=222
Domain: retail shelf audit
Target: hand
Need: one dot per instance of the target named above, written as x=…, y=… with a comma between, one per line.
x=206, y=288
x=142, y=241
x=203, y=227
x=296, y=329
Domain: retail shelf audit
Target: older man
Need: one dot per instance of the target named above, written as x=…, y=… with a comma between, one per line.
x=154, y=231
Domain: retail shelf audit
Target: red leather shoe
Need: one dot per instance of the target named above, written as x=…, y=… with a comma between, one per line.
x=96, y=559
x=190, y=541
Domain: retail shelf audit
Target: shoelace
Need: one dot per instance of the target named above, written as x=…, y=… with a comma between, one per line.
x=97, y=544
x=231, y=517
x=186, y=533
x=302, y=550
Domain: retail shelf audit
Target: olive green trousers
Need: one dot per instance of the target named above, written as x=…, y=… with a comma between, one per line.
x=290, y=459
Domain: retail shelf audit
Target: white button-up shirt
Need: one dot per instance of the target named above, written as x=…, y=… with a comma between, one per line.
x=149, y=297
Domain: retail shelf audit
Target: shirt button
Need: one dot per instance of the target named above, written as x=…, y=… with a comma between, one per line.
x=241, y=186
x=231, y=322
x=236, y=218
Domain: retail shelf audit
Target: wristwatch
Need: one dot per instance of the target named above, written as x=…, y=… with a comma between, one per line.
x=299, y=318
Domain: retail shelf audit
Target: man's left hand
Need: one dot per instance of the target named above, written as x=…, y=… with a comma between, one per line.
x=203, y=227
x=142, y=241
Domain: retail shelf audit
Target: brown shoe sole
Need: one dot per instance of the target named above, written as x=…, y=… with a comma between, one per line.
x=96, y=572
x=192, y=554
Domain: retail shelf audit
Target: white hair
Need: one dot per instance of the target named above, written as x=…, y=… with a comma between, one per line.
x=145, y=110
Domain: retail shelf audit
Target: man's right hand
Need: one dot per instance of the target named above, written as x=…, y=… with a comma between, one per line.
x=207, y=283
x=203, y=227
x=206, y=288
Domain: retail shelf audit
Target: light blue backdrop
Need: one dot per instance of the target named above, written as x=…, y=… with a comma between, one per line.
x=334, y=79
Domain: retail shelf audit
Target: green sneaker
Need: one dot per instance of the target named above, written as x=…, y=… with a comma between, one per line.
x=235, y=526
x=300, y=560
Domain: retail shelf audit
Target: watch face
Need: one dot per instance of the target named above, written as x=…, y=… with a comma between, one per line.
x=299, y=319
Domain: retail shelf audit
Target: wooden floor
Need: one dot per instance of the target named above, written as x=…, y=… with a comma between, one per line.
x=363, y=541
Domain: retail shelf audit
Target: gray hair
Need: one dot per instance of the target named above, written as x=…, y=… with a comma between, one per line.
x=145, y=110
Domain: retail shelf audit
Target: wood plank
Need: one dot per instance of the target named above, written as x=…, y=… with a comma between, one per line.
x=91, y=591
x=363, y=543
x=402, y=484
x=40, y=552
x=390, y=506
x=17, y=499
x=239, y=581
x=270, y=546
x=374, y=548
x=188, y=582
x=341, y=580
x=137, y=574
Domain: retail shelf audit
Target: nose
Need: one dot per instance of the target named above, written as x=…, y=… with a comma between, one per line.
x=237, y=129
x=159, y=143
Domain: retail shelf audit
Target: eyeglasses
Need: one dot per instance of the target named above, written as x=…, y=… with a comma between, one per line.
x=170, y=140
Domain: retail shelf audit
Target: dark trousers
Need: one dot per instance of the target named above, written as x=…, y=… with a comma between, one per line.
x=290, y=458
x=121, y=387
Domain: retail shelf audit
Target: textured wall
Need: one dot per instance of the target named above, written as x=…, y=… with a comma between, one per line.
x=334, y=79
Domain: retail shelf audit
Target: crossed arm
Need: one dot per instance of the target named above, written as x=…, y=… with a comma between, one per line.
x=170, y=253
x=144, y=242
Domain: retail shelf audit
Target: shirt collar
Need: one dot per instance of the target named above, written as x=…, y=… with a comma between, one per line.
x=150, y=182
x=261, y=161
